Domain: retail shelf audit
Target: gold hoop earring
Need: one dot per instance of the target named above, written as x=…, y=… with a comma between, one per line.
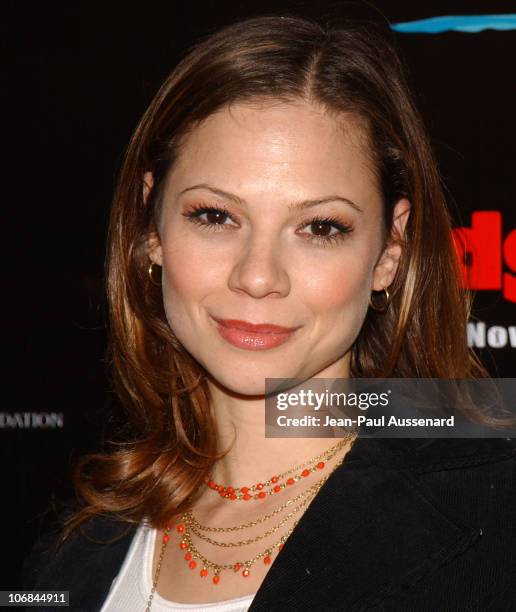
x=384, y=306
x=151, y=274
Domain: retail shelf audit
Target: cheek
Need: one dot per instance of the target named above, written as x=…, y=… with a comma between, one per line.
x=189, y=279
x=334, y=287
x=186, y=281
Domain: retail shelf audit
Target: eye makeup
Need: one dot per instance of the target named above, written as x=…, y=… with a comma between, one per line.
x=220, y=214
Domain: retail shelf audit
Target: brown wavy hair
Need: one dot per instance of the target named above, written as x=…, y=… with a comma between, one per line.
x=169, y=443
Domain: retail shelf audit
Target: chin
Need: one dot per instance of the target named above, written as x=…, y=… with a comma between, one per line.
x=243, y=382
x=252, y=388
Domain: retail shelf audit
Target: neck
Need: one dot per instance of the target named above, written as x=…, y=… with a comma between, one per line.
x=252, y=458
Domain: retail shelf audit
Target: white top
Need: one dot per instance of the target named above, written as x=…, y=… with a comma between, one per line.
x=132, y=586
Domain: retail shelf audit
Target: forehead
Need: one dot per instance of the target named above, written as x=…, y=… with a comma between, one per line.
x=277, y=144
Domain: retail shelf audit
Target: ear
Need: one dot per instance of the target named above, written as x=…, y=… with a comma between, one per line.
x=385, y=269
x=148, y=182
x=154, y=249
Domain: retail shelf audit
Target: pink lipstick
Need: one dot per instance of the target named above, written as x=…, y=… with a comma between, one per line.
x=251, y=336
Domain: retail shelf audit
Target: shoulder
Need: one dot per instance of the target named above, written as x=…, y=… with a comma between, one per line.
x=94, y=551
x=472, y=480
x=433, y=454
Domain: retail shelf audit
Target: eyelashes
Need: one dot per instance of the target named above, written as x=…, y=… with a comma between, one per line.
x=218, y=217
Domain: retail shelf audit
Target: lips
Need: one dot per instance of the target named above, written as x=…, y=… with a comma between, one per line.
x=253, y=336
x=261, y=328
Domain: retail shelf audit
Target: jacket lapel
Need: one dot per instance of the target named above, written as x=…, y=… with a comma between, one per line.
x=369, y=533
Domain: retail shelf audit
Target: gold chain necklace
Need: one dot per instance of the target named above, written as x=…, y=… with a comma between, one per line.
x=188, y=524
x=192, y=527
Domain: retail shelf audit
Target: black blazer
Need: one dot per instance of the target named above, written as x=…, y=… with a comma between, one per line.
x=402, y=525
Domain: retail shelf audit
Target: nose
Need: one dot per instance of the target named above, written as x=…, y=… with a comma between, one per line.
x=259, y=270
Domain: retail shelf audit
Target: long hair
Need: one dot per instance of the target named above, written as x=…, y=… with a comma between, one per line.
x=169, y=443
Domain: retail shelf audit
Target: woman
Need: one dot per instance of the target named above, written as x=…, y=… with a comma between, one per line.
x=280, y=214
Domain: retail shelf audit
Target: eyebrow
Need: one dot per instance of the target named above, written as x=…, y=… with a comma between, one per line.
x=293, y=206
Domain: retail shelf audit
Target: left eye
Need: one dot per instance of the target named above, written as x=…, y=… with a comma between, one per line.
x=320, y=228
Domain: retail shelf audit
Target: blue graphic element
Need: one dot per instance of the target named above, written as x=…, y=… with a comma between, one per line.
x=458, y=23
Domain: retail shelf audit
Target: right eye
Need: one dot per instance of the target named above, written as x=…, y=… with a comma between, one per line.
x=215, y=216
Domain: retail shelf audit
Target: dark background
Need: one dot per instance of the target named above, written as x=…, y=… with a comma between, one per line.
x=77, y=78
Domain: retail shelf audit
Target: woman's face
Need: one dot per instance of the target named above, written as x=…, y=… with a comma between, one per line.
x=272, y=215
